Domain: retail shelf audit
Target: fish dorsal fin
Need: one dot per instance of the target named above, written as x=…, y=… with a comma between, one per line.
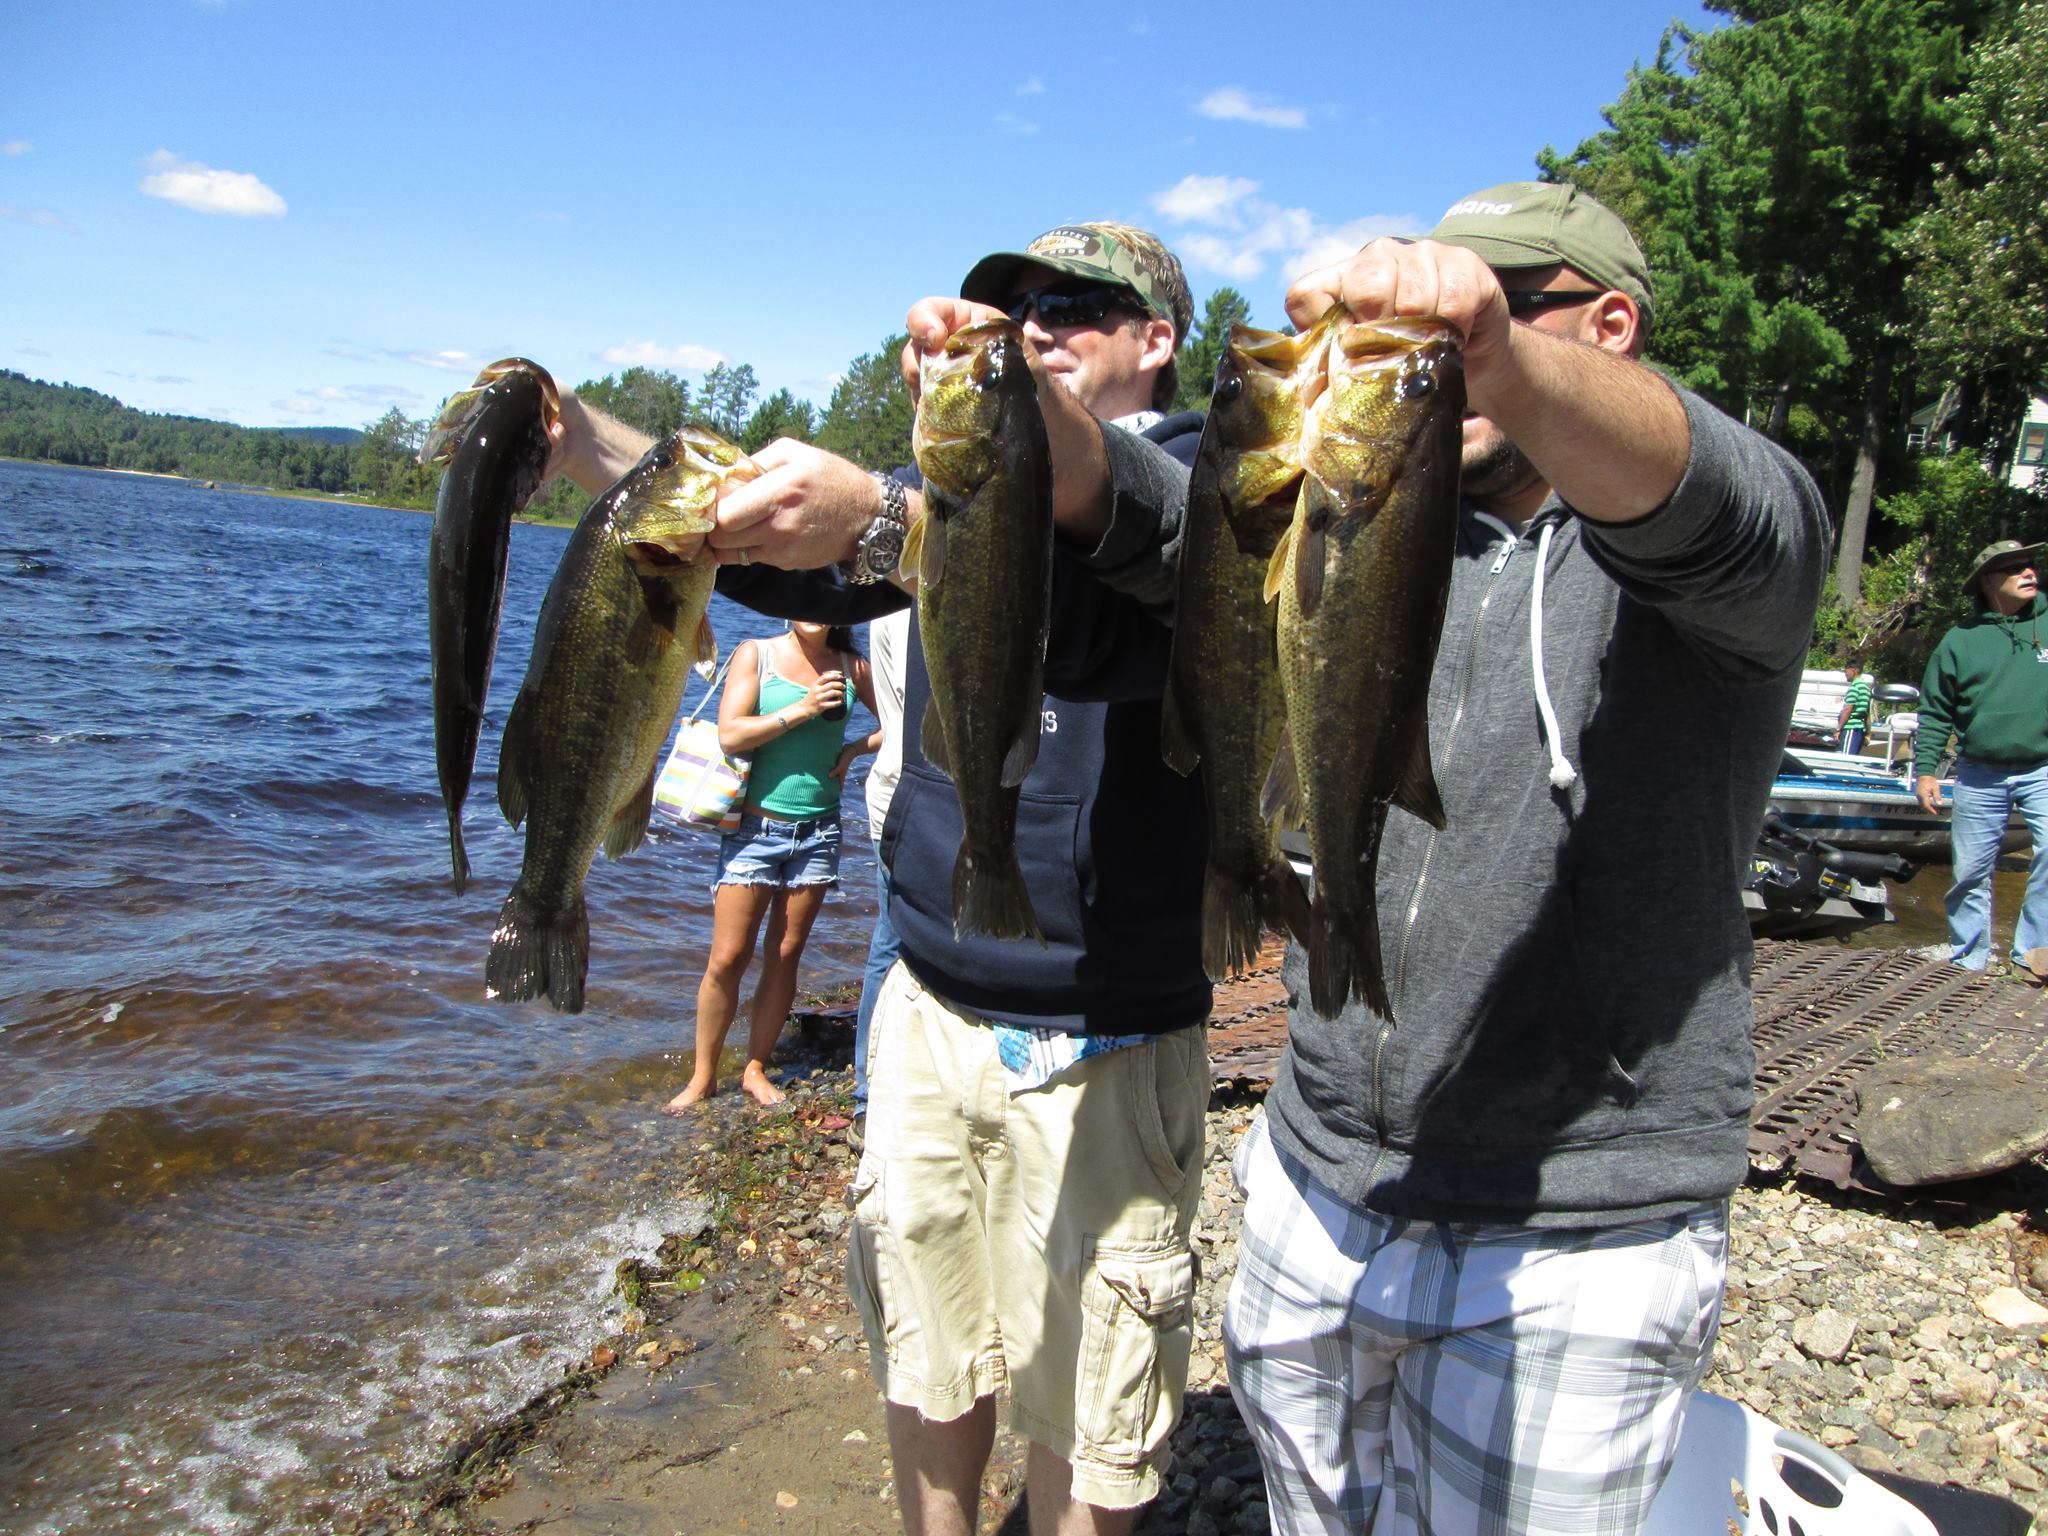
x=1280, y=803
x=1176, y=741
x=931, y=738
x=515, y=753
x=1417, y=792
x=629, y=827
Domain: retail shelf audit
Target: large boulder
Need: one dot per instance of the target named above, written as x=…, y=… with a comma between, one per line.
x=1932, y=1119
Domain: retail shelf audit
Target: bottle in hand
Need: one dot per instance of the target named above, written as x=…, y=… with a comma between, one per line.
x=838, y=710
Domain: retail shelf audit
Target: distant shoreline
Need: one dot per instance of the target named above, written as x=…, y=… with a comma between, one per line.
x=241, y=489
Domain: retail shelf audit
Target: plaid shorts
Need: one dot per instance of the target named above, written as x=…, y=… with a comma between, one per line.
x=1404, y=1376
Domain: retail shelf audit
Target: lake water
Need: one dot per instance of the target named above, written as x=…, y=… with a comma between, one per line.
x=283, y=1200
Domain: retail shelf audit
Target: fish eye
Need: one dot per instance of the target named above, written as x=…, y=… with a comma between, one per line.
x=1229, y=389
x=1418, y=386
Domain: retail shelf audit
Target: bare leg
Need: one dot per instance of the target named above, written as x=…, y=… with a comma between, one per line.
x=1048, y=1490
x=938, y=1467
x=789, y=929
x=735, y=916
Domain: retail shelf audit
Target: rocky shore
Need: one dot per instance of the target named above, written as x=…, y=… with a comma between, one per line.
x=1912, y=1336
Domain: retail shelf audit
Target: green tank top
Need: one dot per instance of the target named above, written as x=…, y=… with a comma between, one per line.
x=792, y=774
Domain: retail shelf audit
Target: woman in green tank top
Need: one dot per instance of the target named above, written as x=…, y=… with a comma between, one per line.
x=785, y=703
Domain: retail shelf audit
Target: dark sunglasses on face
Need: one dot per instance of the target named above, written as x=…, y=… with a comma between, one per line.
x=2010, y=568
x=1061, y=304
x=1529, y=303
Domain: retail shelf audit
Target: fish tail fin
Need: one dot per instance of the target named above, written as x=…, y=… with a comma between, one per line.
x=1344, y=959
x=458, y=854
x=989, y=896
x=539, y=954
x=1231, y=925
x=1283, y=904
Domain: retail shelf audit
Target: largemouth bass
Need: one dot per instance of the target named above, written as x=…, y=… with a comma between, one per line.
x=621, y=626
x=493, y=437
x=1224, y=707
x=983, y=557
x=1362, y=575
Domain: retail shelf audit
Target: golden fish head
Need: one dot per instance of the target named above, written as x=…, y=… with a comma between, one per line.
x=663, y=510
x=453, y=424
x=961, y=396
x=1389, y=380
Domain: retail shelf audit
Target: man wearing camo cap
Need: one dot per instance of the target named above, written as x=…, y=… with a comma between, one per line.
x=1033, y=1140
x=1483, y=1248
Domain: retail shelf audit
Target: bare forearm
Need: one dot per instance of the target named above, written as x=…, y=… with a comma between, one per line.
x=1609, y=435
x=595, y=449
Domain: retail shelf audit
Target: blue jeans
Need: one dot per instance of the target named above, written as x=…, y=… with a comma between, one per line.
x=882, y=950
x=1985, y=796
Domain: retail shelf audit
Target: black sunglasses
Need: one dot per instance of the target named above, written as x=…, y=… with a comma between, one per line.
x=2010, y=568
x=1528, y=303
x=1061, y=304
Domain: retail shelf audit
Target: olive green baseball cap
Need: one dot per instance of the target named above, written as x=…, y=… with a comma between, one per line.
x=1538, y=223
x=1120, y=254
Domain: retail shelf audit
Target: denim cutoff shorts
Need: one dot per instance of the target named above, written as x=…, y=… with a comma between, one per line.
x=787, y=854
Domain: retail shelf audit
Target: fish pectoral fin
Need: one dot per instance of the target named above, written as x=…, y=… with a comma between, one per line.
x=629, y=827
x=1176, y=742
x=1417, y=792
x=515, y=752
x=706, y=665
x=1276, y=568
x=1311, y=522
x=1280, y=801
x=931, y=739
x=913, y=547
x=930, y=534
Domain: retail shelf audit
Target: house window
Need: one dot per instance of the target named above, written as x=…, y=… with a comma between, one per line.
x=2033, y=443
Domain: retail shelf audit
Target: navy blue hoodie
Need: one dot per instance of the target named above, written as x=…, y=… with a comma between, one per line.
x=1112, y=842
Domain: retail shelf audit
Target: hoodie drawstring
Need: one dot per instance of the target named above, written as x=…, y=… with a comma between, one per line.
x=1562, y=774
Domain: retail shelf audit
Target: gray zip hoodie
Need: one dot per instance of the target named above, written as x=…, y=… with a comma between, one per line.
x=1569, y=960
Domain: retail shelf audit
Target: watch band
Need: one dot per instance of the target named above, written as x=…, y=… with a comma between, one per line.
x=881, y=546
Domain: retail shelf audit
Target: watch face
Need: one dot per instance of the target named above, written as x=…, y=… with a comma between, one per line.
x=884, y=548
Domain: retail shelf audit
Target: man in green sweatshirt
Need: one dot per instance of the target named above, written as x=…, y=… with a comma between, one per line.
x=1988, y=683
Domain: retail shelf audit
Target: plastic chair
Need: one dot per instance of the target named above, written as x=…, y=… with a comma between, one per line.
x=1725, y=1446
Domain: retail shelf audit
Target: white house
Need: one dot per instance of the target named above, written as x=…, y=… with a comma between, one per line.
x=1927, y=431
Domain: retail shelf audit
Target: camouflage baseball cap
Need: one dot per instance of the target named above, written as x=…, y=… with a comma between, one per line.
x=1111, y=253
x=1536, y=223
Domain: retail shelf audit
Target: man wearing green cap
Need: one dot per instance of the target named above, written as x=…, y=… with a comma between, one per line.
x=1987, y=683
x=1033, y=1144
x=1484, y=1240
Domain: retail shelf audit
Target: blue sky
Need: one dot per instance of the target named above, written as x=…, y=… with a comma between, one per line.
x=290, y=214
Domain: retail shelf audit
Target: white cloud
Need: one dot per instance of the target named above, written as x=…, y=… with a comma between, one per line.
x=1010, y=122
x=449, y=360
x=203, y=189
x=648, y=354
x=328, y=399
x=1231, y=104
x=42, y=218
x=169, y=335
x=1204, y=199
x=30, y=352
x=15, y=147
x=168, y=378
x=1242, y=234
x=1035, y=86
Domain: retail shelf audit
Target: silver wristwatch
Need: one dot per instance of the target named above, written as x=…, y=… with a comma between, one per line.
x=881, y=547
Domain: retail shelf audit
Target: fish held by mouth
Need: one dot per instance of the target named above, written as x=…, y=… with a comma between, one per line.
x=1362, y=575
x=1224, y=707
x=623, y=624
x=982, y=554
x=494, y=439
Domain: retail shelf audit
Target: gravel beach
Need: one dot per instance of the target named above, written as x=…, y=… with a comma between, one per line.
x=738, y=1396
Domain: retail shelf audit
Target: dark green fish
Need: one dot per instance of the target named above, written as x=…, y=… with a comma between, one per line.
x=493, y=437
x=1362, y=575
x=983, y=557
x=1224, y=707
x=622, y=625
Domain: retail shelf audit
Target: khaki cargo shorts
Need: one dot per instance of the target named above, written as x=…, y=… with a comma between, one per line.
x=1038, y=1239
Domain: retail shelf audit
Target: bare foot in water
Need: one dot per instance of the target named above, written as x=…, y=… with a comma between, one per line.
x=680, y=1104
x=765, y=1093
